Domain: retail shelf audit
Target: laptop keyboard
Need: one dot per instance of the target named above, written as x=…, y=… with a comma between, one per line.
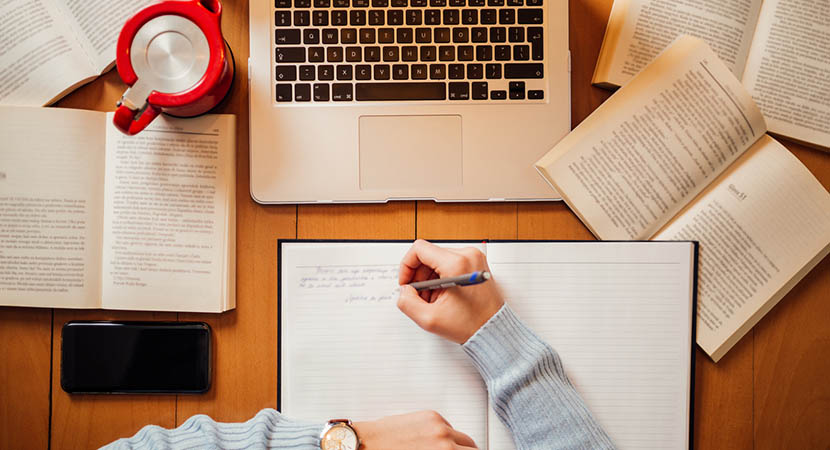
x=408, y=50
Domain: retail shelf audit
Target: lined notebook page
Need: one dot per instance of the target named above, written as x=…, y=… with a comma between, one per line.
x=347, y=351
x=619, y=314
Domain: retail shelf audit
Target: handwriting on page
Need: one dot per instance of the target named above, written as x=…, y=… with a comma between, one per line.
x=359, y=284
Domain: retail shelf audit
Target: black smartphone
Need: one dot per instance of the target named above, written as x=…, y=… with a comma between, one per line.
x=135, y=357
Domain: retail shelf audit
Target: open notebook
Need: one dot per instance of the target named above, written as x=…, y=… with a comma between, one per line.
x=619, y=314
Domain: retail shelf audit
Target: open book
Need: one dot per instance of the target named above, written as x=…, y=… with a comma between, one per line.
x=620, y=314
x=779, y=48
x=52, y=47
x=91, y=218
x=680, y=153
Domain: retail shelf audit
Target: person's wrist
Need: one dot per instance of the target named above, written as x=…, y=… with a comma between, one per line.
x=365, y=433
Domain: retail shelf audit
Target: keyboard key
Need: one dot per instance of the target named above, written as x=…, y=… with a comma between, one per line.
x=446, y=53
x=282, y=3
x=287, y=36
x=290, y=54
x=330, y=36
x=334, y=54
x=418, y=3
x=367, y=35
x=380, y=3
x=371, y=54
x=451, y=17
x=530, y=16
x=475, y=71
x=357, y=17
x=302, y=92
x=492, y=71
x=498, y=34
x=459, y=91
x=399, y=3
x=478, y=34
x=360, y=3
x=521, y=52
x=394, y=17
x=484, y=53
x=432, y=17
x=307, y=73
x=507, y=16
x=400, y=91
x=413, y=17
x=341, y=3
x=302, y=3
x=437, y=71
x=534, y=2
x=284, y=93
x=469, y=17
x=458, y=3
x=502, y=53
x=535, y=95
x=525, y=70
x=455, y=71
x=437, y=3
x=537, y=49
x=465, y=52
x=282, y=19
x=302, y=18
x=400, y=72
x=404, y=35
x=381, y=71
x=479, y=90
x=517, y=90
x=386, y=36
x=363, y=72
x=419, y=71
x=488, y=16
x=325, y=73
x=423, y=35
x=341, y=92
x=320, y=18
x=321, y=92
x=460, y=35
x=286, y=73
x=316, y=54
x=344, y=72
x=442, y=35
x=516, y=34
x=353, y=54
x=495, y=2
x=410, y=53
x=377, y=17
x=348, y=36
x=498, y=95
x=391, y=54
x=428, y=53
x=476, y=2
x=515, y=3
x=339, y=18
x=311, y=36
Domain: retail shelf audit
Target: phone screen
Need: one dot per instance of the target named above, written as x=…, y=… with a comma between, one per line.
x=133, y=357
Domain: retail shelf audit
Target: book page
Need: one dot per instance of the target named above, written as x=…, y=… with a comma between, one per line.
x=40, y=58
x=762, y=226
x=97, y=23
x=51, y=207
x=655, y=144
x=347, y=351
x=168, y=198
x=638, y=30
x=620, y=316
x=788, y=67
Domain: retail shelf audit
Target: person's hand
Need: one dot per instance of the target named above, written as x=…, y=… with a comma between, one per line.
x=455, y=313
x=423, y=430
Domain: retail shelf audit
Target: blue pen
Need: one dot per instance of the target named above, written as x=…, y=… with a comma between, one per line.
x=444, y=283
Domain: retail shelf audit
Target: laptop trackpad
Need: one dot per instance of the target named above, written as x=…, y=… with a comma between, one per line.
x=410, y=152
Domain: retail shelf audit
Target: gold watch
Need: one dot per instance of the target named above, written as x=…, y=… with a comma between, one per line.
x=338, y=434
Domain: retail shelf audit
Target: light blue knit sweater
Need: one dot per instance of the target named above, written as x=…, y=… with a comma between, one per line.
x=529, y=390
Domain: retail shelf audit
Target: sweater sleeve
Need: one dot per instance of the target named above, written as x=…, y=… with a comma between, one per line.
x=268, y=429
x=528, y=387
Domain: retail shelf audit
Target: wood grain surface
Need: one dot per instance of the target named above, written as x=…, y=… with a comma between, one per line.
x=769, y=391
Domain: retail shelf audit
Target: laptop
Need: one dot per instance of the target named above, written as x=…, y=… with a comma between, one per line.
x=378, y=100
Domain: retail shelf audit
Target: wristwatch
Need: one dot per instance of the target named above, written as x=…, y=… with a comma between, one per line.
x=338, y=434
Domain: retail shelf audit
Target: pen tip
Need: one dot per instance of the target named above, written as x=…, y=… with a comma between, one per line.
x=486, y=275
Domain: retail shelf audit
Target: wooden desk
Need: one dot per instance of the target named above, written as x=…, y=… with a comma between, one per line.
x=769, y=391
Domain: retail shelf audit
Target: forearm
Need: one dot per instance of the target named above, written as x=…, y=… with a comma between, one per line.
x=268, y=429
x=529, y=389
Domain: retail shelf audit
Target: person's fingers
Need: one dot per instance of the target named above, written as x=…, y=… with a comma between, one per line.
x=411, y=304
x=422, y=253
x=461, y=438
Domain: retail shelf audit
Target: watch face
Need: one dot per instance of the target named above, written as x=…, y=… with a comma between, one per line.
x=340, y=437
